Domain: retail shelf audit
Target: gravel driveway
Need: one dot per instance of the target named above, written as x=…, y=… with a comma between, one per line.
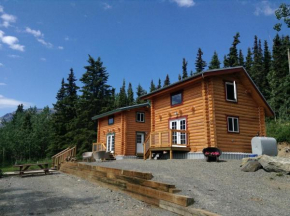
x=61, y=194
x=219, y=187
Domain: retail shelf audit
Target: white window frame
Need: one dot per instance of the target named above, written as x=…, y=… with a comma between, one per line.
x=110, y=143
x=235, y=91
x=179, y=135
x=235, y=130
x=137, y=116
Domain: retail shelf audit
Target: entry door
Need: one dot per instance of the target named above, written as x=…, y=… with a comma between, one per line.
x=178, y=137
x=110, y=143
x=139, y=141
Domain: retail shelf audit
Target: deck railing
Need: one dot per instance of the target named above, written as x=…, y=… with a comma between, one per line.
x=168, y=138
x=99, y=147
x=62, y=156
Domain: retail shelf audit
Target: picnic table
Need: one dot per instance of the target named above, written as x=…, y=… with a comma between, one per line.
x=23, y=168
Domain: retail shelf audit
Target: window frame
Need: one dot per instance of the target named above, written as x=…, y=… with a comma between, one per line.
x=111, y=117
x=234, y=84
x=143, y=117
x=233, y=124
x=175, y=93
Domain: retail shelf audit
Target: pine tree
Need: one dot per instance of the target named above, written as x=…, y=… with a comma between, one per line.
x=152, y=86
x=184, y=69
x=130, y=95
x=257, y=66
x=249, y=61
x=123, y=96
x=191, y=73
x=215, y=63
x=140, y=92
x=166, y=81
x=267, y=58
x=226, y=62
x=232, y=58
x=241, y=58
x=200, y=64
x=159, y=84
x=179, y=77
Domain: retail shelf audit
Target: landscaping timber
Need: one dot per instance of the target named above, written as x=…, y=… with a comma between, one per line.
x=137, y=184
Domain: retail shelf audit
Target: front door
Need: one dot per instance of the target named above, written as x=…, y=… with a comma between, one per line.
x=139, y=141
x=110, y=143
x=178, y=137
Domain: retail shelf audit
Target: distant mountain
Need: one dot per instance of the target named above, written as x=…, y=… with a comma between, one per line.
x=8, y=117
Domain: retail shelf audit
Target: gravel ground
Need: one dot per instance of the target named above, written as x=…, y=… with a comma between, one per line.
x=61, y=194
x=221, y=187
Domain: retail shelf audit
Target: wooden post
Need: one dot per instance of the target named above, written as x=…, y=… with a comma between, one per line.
x=170, y=137
x=150, y=154
x=144, y=151
x=171, y=156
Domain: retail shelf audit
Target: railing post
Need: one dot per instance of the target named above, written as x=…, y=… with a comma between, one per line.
x=170, y=137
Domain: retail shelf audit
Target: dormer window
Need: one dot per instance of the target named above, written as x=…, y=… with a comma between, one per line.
x=231, y=91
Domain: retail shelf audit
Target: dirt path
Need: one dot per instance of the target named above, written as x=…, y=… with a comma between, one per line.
x=61, y=194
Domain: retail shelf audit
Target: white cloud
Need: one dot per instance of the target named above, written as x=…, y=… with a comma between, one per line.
x=42, y=59
x=11, y=41
x=2, y=84
x=106, y=6
x=14, y=56
x=184, y=3
x=66, y=38
x=60, y=47
x=1, y=9
x=264, y=8
x=10, y=103
x=7, y=19
x=1, y=65
x=35, y=33
x=42, y=41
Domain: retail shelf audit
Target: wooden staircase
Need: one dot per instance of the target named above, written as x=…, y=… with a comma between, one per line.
x=97, y=147
x=64, y=156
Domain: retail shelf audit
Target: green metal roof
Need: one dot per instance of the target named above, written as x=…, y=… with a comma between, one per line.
x=120, y=110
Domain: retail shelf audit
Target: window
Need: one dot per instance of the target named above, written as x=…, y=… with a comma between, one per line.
x=231, y=91
x=110, y=143
x=111, y=120
x=178, y=137
x=140, y=117
x=176, y=98
x=233, y=124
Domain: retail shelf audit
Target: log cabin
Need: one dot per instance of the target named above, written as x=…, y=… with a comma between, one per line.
x=122, y=131
x=220, y=108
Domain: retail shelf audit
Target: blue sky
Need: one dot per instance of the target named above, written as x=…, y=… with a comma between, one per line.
x=137, y=40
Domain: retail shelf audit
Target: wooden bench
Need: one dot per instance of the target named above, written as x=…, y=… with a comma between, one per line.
x=23, y=168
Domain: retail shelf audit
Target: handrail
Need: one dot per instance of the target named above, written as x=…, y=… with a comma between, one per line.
x=99, y=147
x=63, y=156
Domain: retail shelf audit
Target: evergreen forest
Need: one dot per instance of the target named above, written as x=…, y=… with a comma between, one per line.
x=31, y=135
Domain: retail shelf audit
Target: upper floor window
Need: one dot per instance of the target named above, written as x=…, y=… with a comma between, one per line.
x=233, y=124
x=231, y=91
x=111, y=120
x=140, y=117
x=176, y=98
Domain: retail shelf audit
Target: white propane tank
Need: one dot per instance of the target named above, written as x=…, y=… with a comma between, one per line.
x=264, y=145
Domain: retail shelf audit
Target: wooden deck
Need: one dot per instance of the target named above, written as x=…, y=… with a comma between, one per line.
x=170, y=140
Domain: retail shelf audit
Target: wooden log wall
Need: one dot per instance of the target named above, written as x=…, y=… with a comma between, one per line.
x=245, y=108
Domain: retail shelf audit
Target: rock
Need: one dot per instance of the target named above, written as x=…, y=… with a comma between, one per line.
x=245, y=160
x=275, y=164
x=251, y=166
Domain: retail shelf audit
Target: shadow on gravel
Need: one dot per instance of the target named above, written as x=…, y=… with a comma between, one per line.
x=18, y=201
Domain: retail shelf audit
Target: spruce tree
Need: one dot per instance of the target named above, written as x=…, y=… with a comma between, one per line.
x=184, y=69
x=166, y=81
x=200, y=64
x=140, y=92
x=191, y=73
x=232, y=58
x=152, y=86
x=159, y=84
x=266, y=69
x=179, y=77
x=123, y=96
x=257, y=66
x=226, y=62
x=249, y=61
x=130, y=95
x=214, y=63
x=241, y=58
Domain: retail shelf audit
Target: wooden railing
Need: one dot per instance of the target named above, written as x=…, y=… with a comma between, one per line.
x=168, y=138
x=99, y=147
x=62, y=156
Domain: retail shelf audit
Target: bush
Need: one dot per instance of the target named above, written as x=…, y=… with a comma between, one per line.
x=279, y=130
x=1, y=173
